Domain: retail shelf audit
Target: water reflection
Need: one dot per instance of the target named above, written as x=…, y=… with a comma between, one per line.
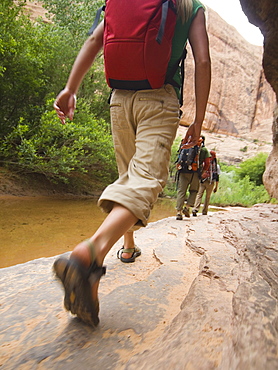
x=34, y=227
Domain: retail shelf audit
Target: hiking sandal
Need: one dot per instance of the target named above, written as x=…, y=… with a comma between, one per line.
x=135, y=253
x=77, y=281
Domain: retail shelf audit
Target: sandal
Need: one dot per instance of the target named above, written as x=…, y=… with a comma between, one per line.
x=77, y=282
x=135, y=253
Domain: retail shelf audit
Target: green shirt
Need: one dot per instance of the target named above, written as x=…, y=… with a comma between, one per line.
x=179, y=42
x=204, y=153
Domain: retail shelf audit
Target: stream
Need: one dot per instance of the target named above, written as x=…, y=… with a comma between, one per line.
x=35, y=227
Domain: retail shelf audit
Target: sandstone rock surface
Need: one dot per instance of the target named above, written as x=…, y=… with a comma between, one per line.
x=36, y=10
x=203, y=295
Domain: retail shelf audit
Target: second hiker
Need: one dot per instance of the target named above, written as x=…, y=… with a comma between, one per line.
x=208, y=184
x=189, y=174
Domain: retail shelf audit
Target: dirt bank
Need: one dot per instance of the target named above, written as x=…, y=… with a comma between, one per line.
x=229, y=149
x=20, y=184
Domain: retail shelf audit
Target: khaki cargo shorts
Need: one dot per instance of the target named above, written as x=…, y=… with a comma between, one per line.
x=144, y=125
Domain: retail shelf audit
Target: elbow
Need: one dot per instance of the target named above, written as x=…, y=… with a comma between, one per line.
x=203, y=69
x=203, y=63
x=94, y=41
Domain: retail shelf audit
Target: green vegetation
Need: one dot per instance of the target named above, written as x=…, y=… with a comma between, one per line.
x=236, y=192
x=33, y=64
x=61, y=151
x=238, y=186
x=253, y=168
x=242, y=185
x=244, y=149
x=36, y=58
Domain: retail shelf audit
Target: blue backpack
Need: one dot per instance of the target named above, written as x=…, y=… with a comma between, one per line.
x=188, y=159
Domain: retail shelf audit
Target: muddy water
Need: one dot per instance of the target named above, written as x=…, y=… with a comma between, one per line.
x=35, y=227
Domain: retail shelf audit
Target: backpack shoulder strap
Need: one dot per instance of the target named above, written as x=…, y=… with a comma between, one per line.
x=96, y=21
x=182, y=75
x=165, y=6
x=170, y=77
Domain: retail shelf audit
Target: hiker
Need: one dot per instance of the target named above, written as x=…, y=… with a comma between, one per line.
x=144, y=125
x=208, y=183
x=188, y=178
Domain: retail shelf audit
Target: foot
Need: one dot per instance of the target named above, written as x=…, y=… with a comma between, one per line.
x=84, y=252
x=179, y=216
x=185, y=211
x=194, y=213
x=80, y=277
x=128, y=254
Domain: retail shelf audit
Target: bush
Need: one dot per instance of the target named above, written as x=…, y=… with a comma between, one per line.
x=253, y=168
x=73, y=19
x=238, y=193
x=36, y=58
x=59, y=151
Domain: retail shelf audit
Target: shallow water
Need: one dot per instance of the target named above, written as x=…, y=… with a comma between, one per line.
x=35, y=227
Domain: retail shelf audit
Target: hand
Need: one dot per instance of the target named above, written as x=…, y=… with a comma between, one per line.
x=192, y=135
x=65, y=105
x=215, y=190
x=204, y=175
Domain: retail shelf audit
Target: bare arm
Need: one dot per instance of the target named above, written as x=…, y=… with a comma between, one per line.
x=198, y=39
x=65, y=101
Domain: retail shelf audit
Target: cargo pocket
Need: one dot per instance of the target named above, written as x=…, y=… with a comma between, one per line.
x=160, y=160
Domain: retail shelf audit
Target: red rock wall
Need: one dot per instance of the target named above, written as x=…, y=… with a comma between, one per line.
x=241, y=101
x=264, y=14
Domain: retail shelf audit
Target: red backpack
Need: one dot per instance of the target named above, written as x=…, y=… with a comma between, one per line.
x=137, y=42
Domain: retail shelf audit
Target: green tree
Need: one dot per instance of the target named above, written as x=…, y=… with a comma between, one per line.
x=34, y=62
x=77, y=17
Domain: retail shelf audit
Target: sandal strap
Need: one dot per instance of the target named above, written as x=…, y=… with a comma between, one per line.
x=133, y=250
x=128, y=250
x=91, y=249
x=94, y=272
x=123, y=250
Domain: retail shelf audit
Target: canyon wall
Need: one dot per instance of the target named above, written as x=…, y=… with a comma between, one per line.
x=241, y=101
x=264, y=14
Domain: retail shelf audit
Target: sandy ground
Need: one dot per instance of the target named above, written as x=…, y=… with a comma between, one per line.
x=230, y=149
